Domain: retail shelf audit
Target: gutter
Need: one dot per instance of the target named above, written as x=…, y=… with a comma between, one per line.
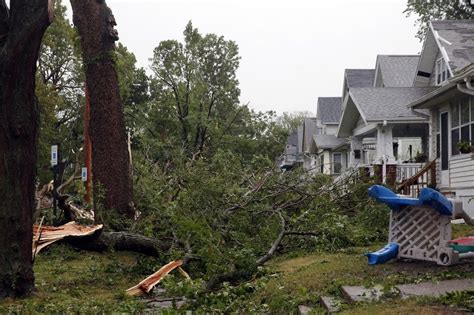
x=400, y=119
x=468, y=89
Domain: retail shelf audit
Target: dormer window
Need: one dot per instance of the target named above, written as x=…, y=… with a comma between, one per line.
x=442, y=72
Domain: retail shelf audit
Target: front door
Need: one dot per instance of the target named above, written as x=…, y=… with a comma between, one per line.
x=444, y=154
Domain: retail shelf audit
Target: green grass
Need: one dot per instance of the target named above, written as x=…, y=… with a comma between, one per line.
x=306, y=278
x=71, y=281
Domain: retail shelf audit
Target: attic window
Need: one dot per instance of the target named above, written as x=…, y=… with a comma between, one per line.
x=442, y=72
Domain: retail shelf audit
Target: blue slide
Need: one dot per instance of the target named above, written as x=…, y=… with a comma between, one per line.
x=428, y=197
x=384, y=195
x=390, y=251
x=436, y=200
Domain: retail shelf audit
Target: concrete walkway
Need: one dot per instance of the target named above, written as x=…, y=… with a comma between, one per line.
x=355, y=294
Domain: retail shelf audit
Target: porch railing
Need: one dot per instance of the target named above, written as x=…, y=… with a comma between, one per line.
x=425, y=177
x=346, y=179
x=407, y=170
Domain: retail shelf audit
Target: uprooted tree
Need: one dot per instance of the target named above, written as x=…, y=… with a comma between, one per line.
x=112, y=175
x=21, y=29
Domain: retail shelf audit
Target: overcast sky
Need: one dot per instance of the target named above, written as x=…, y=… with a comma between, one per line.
x=292, y=51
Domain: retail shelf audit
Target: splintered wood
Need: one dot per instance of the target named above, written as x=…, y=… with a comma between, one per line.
x=146, y=285
x=46, y=235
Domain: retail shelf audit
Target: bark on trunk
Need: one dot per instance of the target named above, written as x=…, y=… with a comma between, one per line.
x=119, y=241
x=111, y=169
x=21, y=31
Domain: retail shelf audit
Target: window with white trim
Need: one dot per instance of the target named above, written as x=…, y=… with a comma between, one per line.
x=442, y=72
x=462, y=122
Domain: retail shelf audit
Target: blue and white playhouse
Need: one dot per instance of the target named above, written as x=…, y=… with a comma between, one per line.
x=420, y=228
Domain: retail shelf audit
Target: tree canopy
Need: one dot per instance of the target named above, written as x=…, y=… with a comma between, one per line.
x=427, y=10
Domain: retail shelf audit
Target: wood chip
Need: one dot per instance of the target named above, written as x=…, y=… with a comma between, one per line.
x=146, y=285
x=51, y=234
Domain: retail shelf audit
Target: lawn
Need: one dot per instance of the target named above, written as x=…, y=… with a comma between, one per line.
x=72, y=281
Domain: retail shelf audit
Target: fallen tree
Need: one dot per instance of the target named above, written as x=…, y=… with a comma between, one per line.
x=108, y=241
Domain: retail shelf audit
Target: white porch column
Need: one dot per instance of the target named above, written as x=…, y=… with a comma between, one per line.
x=385, y=145
x=356, y=144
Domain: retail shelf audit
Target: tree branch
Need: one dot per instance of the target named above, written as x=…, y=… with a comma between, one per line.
x=275, y=243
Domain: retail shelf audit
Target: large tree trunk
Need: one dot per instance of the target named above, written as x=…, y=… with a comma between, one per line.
x=111, y=169
x=21, y=31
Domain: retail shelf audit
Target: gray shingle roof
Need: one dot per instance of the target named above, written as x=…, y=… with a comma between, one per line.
x=460, y=34
x=328, y=141
x=398, y=71
x=387, y=103
x=293, y=139
x=309, y=130
x=360, y=78
x=329, y=109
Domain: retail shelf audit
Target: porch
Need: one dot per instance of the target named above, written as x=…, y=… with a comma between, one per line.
x=390, y=143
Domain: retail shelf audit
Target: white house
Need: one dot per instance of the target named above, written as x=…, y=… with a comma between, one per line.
x=446, y=67
x=330, y=152
x=376, y=120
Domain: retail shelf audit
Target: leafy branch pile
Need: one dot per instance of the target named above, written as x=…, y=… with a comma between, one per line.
x=204, y=169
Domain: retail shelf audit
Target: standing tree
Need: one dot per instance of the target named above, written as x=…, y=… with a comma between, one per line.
x=197, y=80
x=110, y=158
x=437, y=9
x=21, y=29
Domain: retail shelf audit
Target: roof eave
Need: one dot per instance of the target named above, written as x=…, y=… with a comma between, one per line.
x=452, y=82
x=398, y=119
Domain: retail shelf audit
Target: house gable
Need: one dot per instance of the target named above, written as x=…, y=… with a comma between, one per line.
x=395, y=70
x=350, y=118
x=426, y=70
x=449, y=40
x=357, y=78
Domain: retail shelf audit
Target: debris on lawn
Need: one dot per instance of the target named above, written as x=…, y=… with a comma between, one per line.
x=146, y=285
x=46, y=235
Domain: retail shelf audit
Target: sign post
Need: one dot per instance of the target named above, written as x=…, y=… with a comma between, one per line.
x=84, y=174
x=54, y=165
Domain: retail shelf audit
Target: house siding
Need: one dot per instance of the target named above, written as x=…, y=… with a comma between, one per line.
x=331, y=129
x=461, y=171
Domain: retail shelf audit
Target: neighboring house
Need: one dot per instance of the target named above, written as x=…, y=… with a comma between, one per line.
x=309, y=129
x=407, y=108
x=446, y=67
x=376, y=120
x=330, y=152
x=293, y=154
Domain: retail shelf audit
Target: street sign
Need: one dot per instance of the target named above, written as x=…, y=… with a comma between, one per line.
x=54, y=155
x=84, y=174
